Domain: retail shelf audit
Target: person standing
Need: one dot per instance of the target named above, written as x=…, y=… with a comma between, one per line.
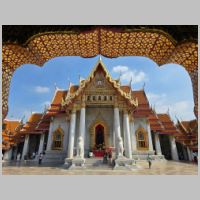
x=110, y=157
x=40, y=158
x=18, y=157
x=149, y=161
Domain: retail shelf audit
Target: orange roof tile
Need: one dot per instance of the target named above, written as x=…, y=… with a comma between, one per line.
x=155, y=123
x=30, y=126
x=169, y=127
x=188, y=133
x=125, y=88
x=9, y=133
x=59, y=94
x=143, y=109
x=73, y=88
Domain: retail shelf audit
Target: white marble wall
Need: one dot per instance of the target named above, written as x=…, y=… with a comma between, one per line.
x=55, y=123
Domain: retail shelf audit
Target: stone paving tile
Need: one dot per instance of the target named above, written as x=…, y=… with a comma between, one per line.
x=158, y=168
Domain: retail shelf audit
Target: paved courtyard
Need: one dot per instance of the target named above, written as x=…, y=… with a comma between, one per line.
x=158, y=168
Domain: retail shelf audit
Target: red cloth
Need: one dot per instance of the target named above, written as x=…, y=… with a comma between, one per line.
x=98, y=153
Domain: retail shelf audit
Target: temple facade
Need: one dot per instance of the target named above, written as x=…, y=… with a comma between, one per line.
x=96, y=116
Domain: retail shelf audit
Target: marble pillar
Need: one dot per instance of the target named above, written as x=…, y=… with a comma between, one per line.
x=127, y=138
x=26, y=146
x=49, y=142
x=72, y=134
x=41, y=145
x=117, y=129
x=174, y=151
x=157, y=144
x=114, y=138
x=82, y=129
x=134, y=143
x=117, y=122
x=189, y=154
x=149, y=136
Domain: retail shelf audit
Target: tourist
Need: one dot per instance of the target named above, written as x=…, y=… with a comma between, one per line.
x=33, y=155
x=110, y=157
x=40, y=158
x=149, y=161
x=18, y=157
x=105, y=158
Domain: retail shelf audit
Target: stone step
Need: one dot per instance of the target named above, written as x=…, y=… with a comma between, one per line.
x=54, y=156
x=144, y=157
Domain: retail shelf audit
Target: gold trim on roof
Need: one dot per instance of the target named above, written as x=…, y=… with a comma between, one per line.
x=71, y=96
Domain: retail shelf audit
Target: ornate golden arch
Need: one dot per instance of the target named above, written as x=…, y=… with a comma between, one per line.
x=139, y=141
x=58, y=132
x=92, y=132
x=155, y=44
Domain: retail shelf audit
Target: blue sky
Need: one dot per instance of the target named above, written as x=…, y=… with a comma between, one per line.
x=169, y=86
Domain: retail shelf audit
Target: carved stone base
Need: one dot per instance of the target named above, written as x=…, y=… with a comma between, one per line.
x=77, y=163
x=68, y=162
x=124, y=163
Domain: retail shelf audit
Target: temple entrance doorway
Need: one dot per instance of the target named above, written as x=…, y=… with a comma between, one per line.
x=99, y=136
x=99, y=149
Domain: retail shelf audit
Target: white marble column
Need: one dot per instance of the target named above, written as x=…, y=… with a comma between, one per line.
x=157, y=144
x=117, y=122
x=72, y=128
x=133, y=140
x=114, y=138
x=189, y=154
x=41, y=145
x=49, y=142
x=117, y=129
x=149, y=136
x=82, y=125
x=127, y=138
x=174, y=151
x=26, y=146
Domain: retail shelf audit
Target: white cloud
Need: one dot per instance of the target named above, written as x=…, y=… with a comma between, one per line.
x=182, y=109
x=127, y=74
x=41, y=89
x=152, y=97
x=120, y=68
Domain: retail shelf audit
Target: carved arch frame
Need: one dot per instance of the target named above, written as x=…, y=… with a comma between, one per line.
x=146, y=139
x=55, y=132
x=92, y=132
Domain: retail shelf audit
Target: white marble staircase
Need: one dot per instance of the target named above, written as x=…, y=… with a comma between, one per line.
x=54, y=156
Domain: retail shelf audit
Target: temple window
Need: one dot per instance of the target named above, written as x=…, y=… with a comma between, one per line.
x=93, y=98
x=57, y=139
x=110, y=98
x=88, y=98
x=99, y=98
x=141, y=136
x=105, y=98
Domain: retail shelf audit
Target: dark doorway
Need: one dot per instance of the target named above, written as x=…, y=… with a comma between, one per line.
x=33, y=144
x=99, y=135
x=165, y=146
